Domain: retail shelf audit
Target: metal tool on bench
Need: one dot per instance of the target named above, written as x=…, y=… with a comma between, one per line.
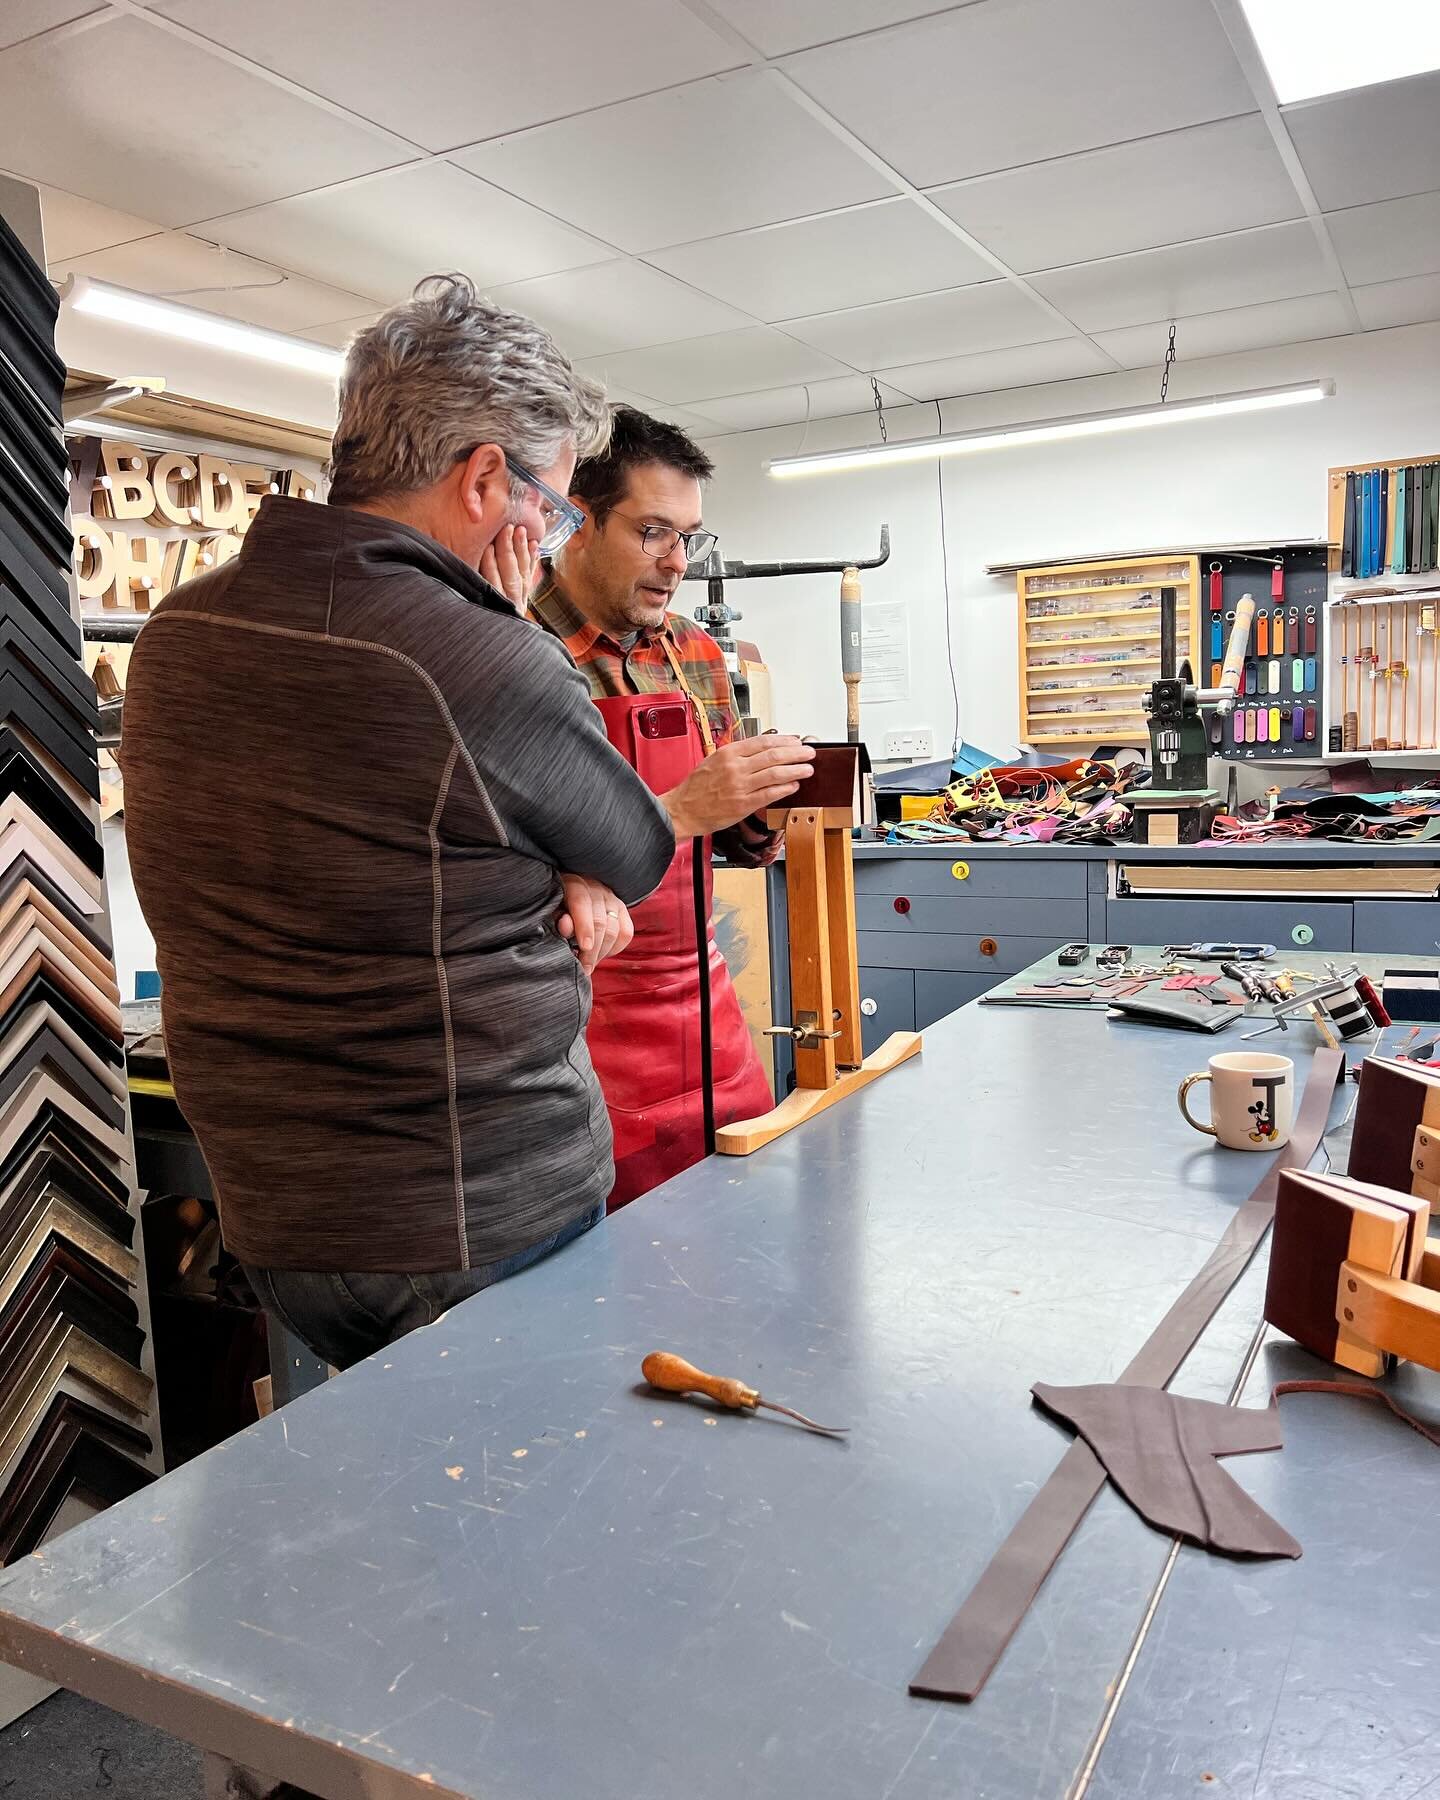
x=1222, y=952
x=1337, y=1001
x=1180, y=803
x=674, y=1375
x=717, y=616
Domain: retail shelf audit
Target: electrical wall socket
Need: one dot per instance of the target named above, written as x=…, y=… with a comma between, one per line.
x=909, y=746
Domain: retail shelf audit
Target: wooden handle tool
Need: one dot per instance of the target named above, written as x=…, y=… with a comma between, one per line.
x=676, y=1376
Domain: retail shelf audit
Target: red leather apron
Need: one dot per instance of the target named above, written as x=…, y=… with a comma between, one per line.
x=644, y=1031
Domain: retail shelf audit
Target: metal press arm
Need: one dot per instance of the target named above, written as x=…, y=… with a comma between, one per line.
x=1222, y=698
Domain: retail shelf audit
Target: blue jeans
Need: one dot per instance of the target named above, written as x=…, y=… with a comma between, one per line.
x=345, y=1318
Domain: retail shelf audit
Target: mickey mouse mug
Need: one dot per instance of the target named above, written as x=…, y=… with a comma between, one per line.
x=1252, y=1098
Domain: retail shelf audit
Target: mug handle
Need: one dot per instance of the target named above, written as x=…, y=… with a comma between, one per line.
x=1186, y=1114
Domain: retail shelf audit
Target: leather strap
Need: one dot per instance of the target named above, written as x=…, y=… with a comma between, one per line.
x=702, y=718
x=1359, y=1390
x=974, y=1641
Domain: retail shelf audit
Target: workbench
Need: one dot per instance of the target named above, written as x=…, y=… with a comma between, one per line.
x=941, y=924
x=490, y=1561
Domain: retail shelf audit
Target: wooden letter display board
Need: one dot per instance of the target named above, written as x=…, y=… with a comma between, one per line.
x=1090, y=645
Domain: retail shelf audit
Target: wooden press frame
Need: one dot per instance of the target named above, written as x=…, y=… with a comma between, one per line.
x=830, y=1063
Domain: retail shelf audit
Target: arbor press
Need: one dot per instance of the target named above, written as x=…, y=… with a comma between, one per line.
x=1179, y=804
x=830, y=1063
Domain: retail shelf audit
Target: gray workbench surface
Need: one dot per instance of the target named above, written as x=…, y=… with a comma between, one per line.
x=489, y=1562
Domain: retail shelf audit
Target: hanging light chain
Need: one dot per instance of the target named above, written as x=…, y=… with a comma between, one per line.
x=879, y=410
x=1169, y=364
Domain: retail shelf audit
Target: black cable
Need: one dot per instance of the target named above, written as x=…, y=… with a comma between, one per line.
x=945, y=576
x=698, y=851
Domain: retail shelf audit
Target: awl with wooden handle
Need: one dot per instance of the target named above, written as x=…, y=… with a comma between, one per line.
x=676, y=1376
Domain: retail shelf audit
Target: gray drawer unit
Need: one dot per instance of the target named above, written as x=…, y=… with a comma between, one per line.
x=1192, y=919
x=1061, y=919
x=939, y=992
x=892, y=991
x=1017, y=877
x=1412, y=926
x=956, y=952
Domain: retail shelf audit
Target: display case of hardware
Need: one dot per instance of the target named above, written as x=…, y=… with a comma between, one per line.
x=1279, y=713
x=1382, y=638
x=1090, y=645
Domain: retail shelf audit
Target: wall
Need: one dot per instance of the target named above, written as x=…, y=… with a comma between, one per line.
x=1257, y=477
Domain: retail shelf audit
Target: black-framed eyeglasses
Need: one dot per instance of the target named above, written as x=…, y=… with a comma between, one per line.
x=562, y=517
x=659, y=540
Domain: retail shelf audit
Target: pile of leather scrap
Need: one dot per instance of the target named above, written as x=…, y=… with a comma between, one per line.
x=1078, y=802
x=1408, y=815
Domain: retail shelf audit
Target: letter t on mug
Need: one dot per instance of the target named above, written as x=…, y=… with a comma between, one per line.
x=1252, y=1099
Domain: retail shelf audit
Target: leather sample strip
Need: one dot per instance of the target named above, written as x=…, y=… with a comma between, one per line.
x=974, y=1641
x=1159, y=1449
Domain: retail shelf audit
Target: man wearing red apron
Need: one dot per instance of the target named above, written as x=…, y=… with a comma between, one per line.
x=665, y=694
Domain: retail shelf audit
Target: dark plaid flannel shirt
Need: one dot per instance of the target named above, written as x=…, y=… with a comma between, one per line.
x=646, y=669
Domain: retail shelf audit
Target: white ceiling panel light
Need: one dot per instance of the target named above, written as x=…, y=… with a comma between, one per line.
x=1314, y=47
x=1049, y=431
x=190, y=325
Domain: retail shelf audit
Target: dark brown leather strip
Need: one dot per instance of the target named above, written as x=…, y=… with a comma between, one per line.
x=975, y=1639
x=1360, y=1390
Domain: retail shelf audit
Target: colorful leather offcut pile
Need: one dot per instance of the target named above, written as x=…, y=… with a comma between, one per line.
x=1078, y=802
x=1403, y=816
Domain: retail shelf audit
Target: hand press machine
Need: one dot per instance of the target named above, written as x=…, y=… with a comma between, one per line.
x=1179, y=804
x=717, y=616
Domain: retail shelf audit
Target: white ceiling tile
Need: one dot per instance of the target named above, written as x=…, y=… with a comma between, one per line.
x=777, y=26
x=696, y=423
x=20, y=19
x=992, y=86
x=1376, y=143
x=714, y=157
x=1411, y=302
x=789, y=405
x=339, y=332
x=697, y=369
x=1388, y=241
x=1208, y=179
x=1277, y=262
x=1223, y=333
x=176, y=266
x=379, y=237
x=991, y=316
x=617, y=306
x=73, y=226
x=468, y=73
x=871, y=253
x=128, y=115
x=992, y=370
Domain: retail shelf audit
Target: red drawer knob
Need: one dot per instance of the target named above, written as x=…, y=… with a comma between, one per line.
x=988, y=947
x=902, y=905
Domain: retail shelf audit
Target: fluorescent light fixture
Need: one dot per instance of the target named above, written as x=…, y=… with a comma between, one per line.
x=1050, y=431
x=192, y=326
x=1326, y=46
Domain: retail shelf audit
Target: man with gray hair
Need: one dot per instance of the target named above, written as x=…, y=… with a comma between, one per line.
x=366, y=804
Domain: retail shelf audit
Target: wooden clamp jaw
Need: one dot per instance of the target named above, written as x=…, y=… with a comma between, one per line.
x=824, y=958
x=1350, y=1275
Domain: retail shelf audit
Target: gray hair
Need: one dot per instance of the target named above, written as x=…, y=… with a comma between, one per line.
x=447, y=370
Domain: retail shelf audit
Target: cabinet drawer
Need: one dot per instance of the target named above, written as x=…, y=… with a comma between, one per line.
x=1234, y=921
x=972, y=914
x=1409, y=926
x=892, y=993
x=1020, y=877
x=954, y=952
x=939, y=992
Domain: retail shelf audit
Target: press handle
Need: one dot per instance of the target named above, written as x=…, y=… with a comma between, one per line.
x=676, y=1376
x=1186, y=1114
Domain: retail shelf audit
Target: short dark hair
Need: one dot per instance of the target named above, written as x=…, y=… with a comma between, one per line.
x=635, y=439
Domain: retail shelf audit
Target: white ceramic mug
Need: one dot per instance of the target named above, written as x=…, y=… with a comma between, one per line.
x=1252, y=1097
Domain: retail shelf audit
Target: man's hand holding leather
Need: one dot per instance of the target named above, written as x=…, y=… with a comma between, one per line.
x=741, y=778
